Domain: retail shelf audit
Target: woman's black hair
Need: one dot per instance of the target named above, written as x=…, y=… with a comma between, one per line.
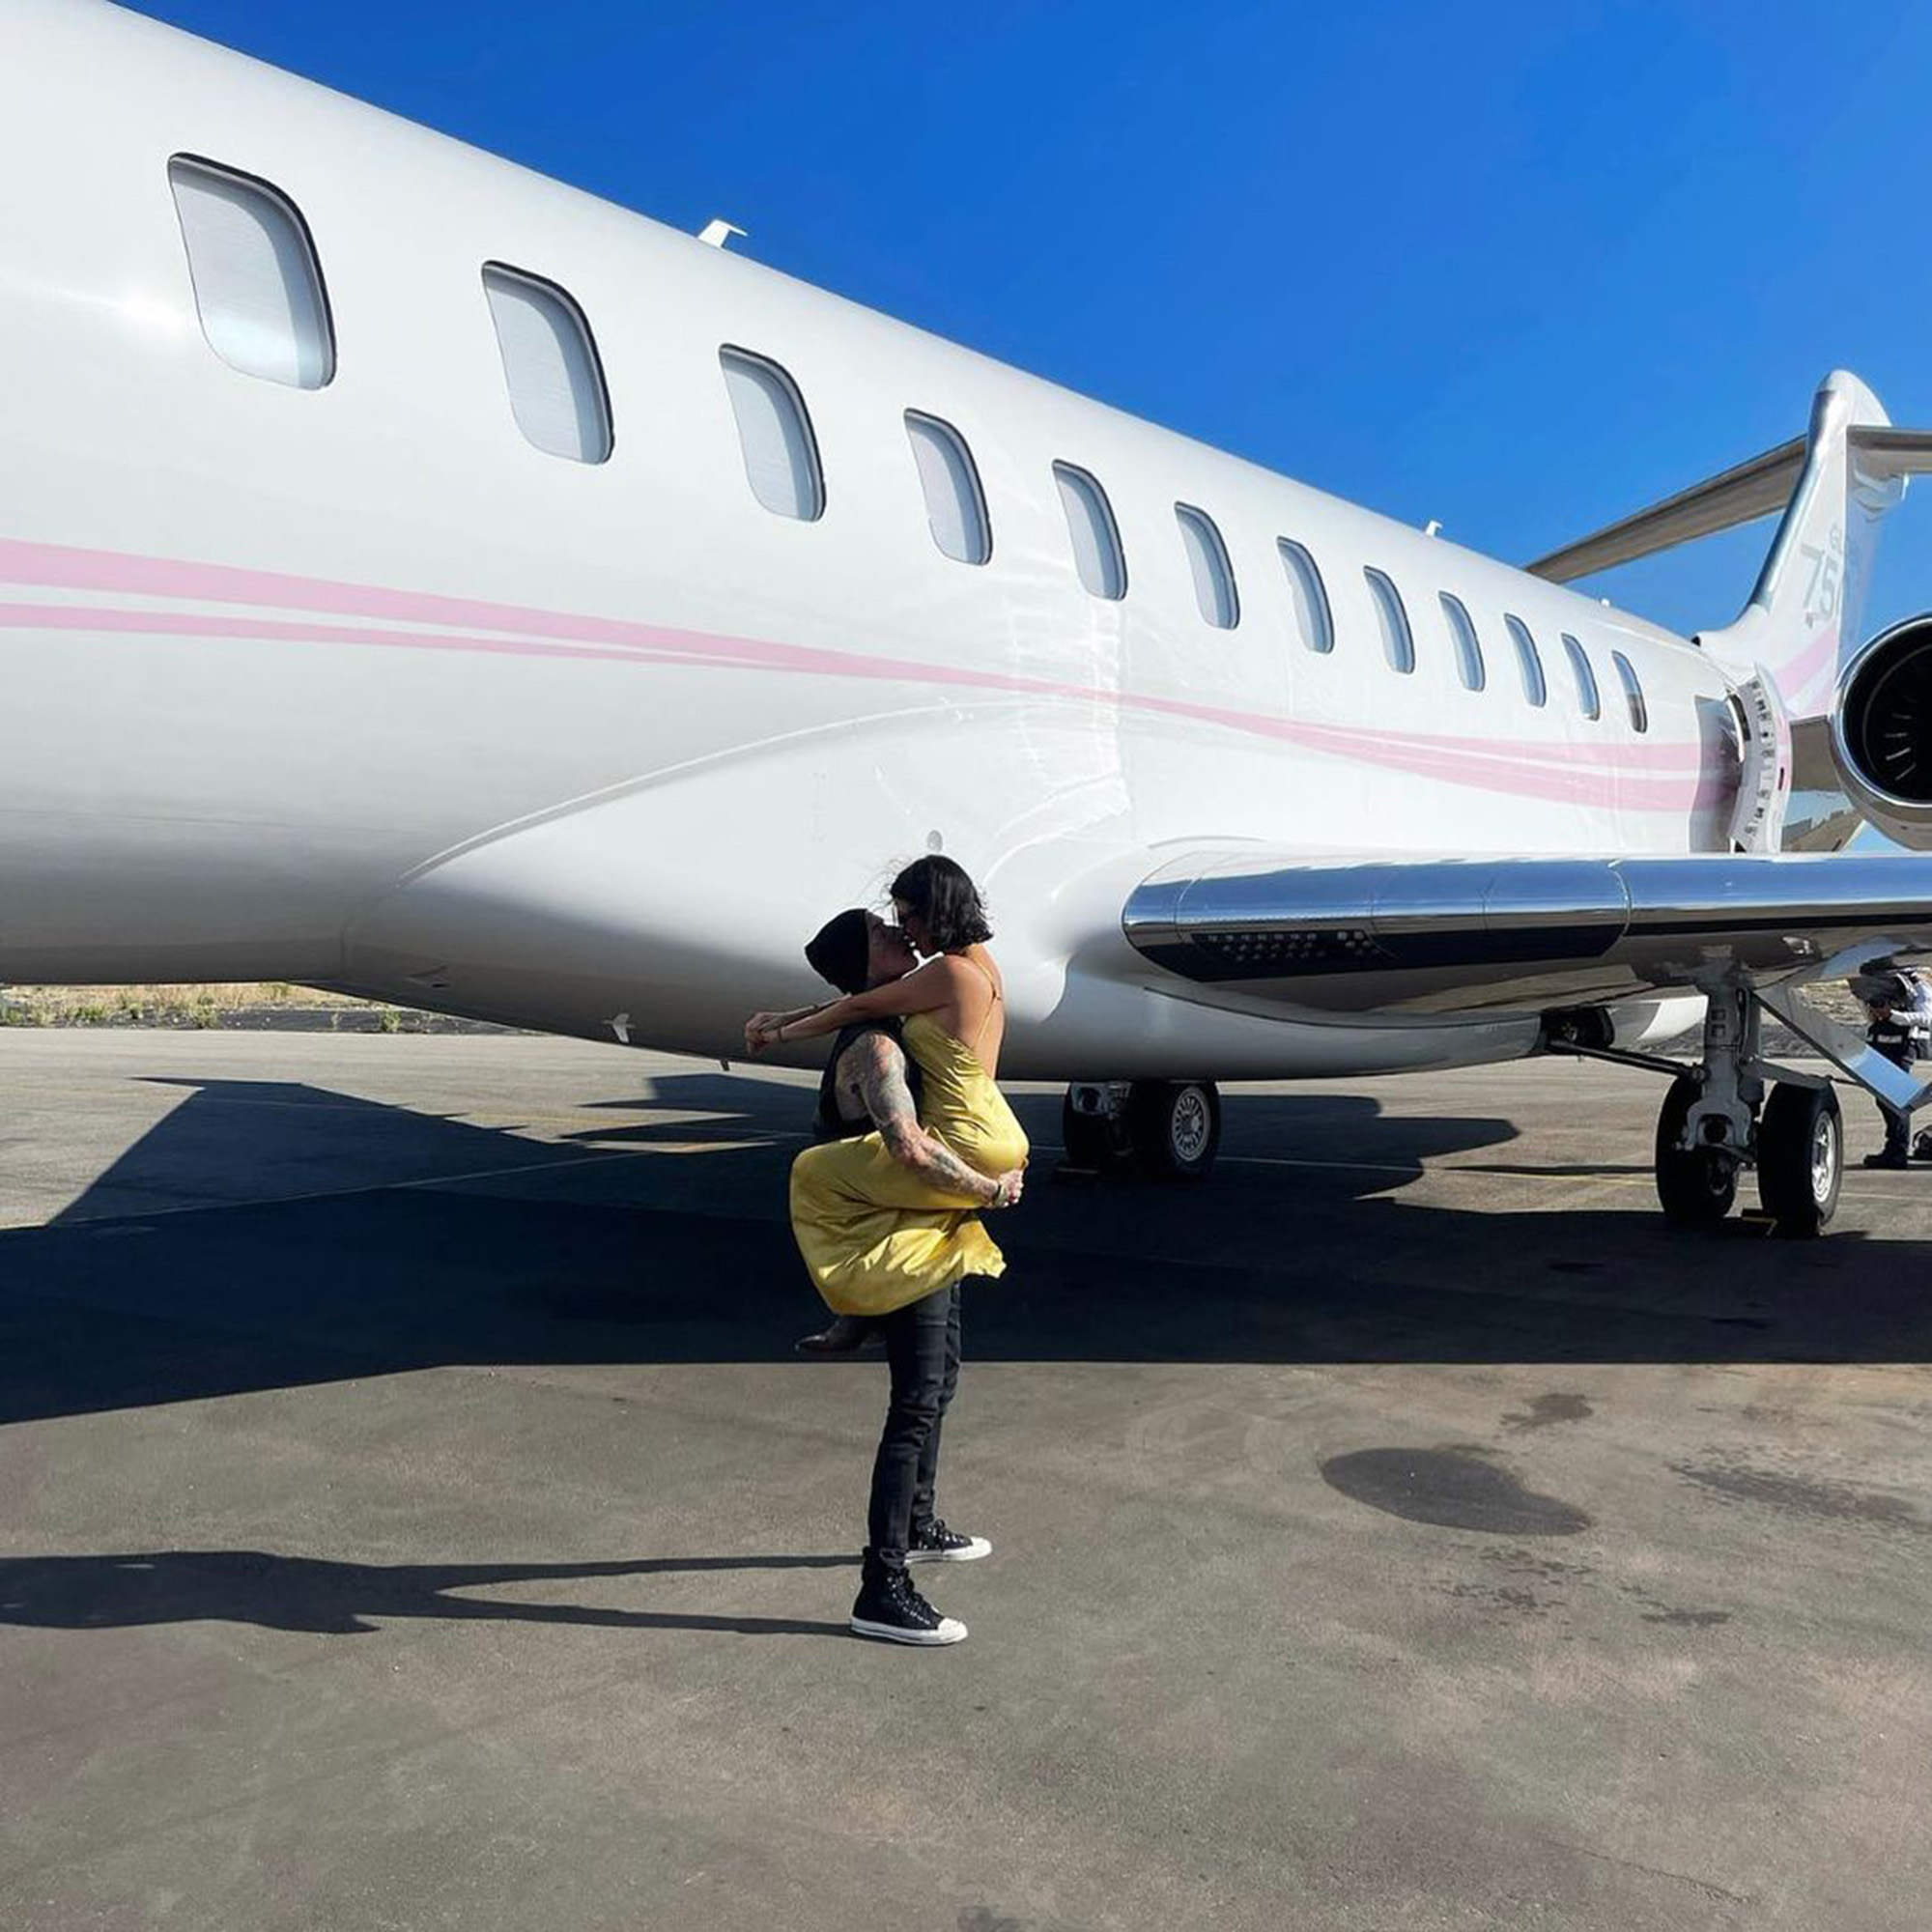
x=948, y=902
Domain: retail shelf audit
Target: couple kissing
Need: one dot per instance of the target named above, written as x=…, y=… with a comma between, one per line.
x=916, y=1141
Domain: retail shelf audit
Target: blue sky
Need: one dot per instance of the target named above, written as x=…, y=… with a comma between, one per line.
x=1519, y=268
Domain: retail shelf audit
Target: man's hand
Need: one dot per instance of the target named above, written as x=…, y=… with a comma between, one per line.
x=1008, y=1188
x=761, y=1030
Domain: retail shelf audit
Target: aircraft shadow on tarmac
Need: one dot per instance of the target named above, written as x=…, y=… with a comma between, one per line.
x=302, y=1593
x=367, y=1239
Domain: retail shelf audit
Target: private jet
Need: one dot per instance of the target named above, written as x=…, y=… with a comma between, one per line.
x=425, y=581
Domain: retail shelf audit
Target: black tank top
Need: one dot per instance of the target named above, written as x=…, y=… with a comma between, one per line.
x=830, y=1124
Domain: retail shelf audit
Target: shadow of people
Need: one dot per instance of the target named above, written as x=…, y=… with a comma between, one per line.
x=1314, y=1244
x=329, y=1599
x=720, y=1109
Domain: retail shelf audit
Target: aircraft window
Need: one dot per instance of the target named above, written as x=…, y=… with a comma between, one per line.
x=1398, y=644
x=775, y=435
x=1312, y=619
x=1639, y=712
x=954, y=508
x=257, y=284
x=1528, y=661
x=1207, y=560
x=1468, y=646
x=1091, y=528
x=1588, y=700
x=549, y=365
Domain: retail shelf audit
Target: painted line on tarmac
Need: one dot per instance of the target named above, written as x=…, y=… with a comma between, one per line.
x=1420, y=1170
x=374, y=1187
x=1411, y=1170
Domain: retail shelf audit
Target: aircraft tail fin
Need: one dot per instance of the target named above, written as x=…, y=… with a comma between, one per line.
x=1834, y=485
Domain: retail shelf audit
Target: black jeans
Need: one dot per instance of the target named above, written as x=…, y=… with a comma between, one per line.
x=923, y=1355
x=1897, y=1125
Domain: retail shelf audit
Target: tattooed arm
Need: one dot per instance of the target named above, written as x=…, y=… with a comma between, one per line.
x=877, y=1067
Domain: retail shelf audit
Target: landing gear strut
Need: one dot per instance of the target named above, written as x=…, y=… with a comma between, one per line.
x=1724, y=1114
x=1706, y=1130
x=1161, y=1129
x=1718, y=1120
x=1695, y=1184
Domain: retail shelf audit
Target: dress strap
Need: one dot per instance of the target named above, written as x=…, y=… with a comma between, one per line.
x=986, y=1018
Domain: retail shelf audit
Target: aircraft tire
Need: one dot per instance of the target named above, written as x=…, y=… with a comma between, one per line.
x=1800, y=1158
x=1697, y=1186
x=1176, y=1127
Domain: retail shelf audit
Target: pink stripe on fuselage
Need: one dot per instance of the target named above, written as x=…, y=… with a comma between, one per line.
x=284, y=630
x=1806, y=683
x=1600, y=776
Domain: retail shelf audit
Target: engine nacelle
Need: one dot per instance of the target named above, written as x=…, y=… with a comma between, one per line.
x=1882, y=732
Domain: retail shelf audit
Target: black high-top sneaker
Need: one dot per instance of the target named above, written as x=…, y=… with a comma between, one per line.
x=933, y=1542
x=890, y=1608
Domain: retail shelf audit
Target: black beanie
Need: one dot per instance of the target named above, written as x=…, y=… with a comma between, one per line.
x=840, y=951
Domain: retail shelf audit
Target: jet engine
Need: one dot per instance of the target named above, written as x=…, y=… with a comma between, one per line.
x=1882, y=732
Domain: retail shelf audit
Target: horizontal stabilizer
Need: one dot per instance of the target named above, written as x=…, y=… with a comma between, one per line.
x=1758, y=488
x=1752, y=489
x=1882, y=452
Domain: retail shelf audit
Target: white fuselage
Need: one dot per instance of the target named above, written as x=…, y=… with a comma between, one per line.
x=355, y=686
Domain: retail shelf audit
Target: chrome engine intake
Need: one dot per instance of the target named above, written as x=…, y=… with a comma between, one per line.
x=1882, y=732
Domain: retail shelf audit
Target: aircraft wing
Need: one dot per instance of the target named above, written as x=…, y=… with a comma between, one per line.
x=1520, y=935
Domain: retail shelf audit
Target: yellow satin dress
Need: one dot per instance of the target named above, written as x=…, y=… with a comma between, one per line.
x=873, y=1234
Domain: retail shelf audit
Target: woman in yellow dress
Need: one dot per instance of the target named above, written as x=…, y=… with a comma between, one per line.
x=880, y=1240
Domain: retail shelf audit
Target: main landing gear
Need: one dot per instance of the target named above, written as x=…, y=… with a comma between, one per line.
x=1799, y=1148
x=1161, y=1129
x=1734, y=1111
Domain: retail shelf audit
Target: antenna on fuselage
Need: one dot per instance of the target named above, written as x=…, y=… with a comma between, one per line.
x=1433, y=526
x=718, y=232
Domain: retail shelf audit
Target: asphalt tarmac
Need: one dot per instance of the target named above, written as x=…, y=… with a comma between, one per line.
x=412, y=1515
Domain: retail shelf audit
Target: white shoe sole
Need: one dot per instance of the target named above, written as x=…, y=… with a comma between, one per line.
x=951, y=1630
x=972, y=1553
